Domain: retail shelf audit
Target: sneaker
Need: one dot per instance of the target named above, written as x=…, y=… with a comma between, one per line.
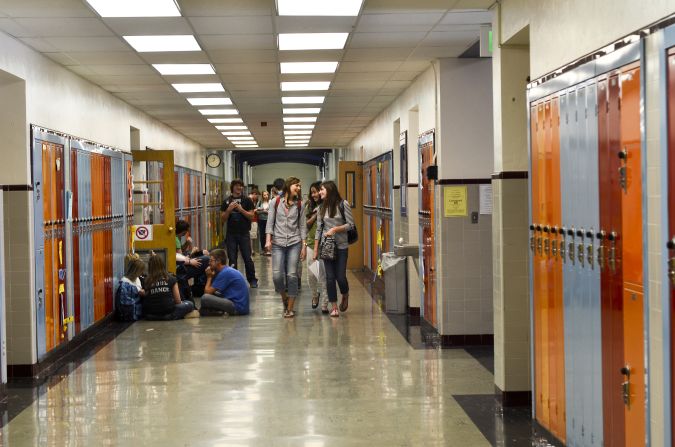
x=193, y=314
x=254, y=284
x=289, y=313
x=315, y=301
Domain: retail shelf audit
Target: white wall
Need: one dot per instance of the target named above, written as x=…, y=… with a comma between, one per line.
x=265, y=174
x=60, y=100
x=563, y=31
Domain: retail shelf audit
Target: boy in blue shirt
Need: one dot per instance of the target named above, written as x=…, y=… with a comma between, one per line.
x=226, y=289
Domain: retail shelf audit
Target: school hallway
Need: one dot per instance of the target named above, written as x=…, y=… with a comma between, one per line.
x=262, y=380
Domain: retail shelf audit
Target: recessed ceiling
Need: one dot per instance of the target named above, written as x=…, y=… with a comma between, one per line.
x=390, y=43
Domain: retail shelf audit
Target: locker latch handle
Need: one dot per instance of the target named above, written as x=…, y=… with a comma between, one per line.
x=625, y=386
x=623, y=180
x=671, y=270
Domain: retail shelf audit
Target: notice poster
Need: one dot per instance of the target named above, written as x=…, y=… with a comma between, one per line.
x=485, y=199
x=454, y=201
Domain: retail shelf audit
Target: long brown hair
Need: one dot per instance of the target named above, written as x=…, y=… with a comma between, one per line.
x=135, y=267
x=156, y=271
x=290, y=181
x=332, y=200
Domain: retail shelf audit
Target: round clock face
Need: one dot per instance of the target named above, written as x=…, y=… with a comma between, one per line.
x=213, y=160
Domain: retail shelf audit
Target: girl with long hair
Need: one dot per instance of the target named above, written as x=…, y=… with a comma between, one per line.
x=162, y=300
x=335, y=219
x=262, y=212
x=317, y=284
x=286, y=233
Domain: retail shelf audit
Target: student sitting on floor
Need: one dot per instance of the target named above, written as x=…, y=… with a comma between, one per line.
x=226, y=290
x=162, y=300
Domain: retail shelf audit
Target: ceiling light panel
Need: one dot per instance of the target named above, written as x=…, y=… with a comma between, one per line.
x=211, y=102
x=204, y=87
x=297, y=145
x=299, y=119
x=184, y=69
x=297, y=137
x=135, y=8
x=297, y=132
x=231, y=127
x=312, y=41
x=236, y=132
x=319, y=7
x=303, y=99
x=225, y=120
x=302, y=111
x=308, y=67
x=147, y=44
x=299, y=86
x=298, y=126
x=218, y=111
x=241, y=138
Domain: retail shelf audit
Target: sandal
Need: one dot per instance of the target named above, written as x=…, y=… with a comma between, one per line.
x=289, y=314
x=344, y=304
x=324, y=308
x=315, y=301
x=285, y=301
x=334, y=312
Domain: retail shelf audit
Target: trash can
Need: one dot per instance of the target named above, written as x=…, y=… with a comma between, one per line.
x=395, y=283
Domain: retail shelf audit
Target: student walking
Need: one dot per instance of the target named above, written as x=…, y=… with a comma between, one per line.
x=262, y=212
x=162, y=300
x=286, y=233
x=317, y=284
x=237, y=211
x=335, y=219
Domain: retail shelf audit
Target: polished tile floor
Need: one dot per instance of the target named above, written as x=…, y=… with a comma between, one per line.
x=262, y=380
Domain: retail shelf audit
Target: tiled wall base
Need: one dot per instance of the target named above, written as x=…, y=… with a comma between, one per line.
x=514, y=398
x=453, y=341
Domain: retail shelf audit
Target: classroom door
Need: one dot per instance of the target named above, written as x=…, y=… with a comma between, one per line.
x=350, y=185
x=154, y=220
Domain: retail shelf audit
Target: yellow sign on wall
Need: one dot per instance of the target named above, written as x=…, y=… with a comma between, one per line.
x=454, y=201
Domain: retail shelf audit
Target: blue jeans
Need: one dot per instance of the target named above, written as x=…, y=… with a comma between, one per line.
x=285, y=268
x=262, y=225
x=336, y=270
x=241, y=242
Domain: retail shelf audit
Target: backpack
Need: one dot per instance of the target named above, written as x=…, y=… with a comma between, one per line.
x=127, y=302
x=352, y=234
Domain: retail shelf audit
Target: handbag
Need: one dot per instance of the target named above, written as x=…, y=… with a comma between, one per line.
x=254, y=230
x=328, y=248
x=352, y=234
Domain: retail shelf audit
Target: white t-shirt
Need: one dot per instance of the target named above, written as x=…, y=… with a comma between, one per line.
x=136, y=283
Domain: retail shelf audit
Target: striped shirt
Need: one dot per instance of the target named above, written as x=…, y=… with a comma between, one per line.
x=287, y=225
x=326, y=222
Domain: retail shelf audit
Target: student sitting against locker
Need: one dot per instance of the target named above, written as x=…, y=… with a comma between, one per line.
x=226, y=290
x=162, y=300
x=189, y=264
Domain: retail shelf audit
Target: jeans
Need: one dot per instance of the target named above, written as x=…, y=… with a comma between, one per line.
x=241, y=242
x=179, y=312
x=316, y=285
x=285, y=268
x=215, y=303
x=262, y=224
x=336, y=270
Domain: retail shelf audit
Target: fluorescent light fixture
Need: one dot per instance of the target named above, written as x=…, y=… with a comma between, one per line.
x=297, y=137
x=312, y=41
x=296, y=142
x=308, y=67
x=302, y=99
x=184, y=69
x=246, y=144
x=302, y=111
x=246, y=147
x=319, y=7
x=300, y=119
x=297, y=145
x=218, y=111
x=298, y=126
x=297, y=132
x=231, y=127
x=210, y=101
x=241, y=138
x=134, y=8
x=202, y=87
x=236, y=132
x=298, y=86
x=225, y=120
x=148, y=44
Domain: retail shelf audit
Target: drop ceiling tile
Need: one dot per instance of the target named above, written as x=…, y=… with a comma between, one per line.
x=473, y=4
x=238, y=42
x=367, y=76
x=397, y=84
x=217, y=8
x=177, y=57
x=450, y=38
x=242, y=56
x=472, y=27
x=83, y=70
x=376, y=54
x=405, y=6
x=127, y=80
x=390, y=91
x=166, y=89
x=63, y=27
x=233, y=25
x=428, y=53
x=46, y=8
x=362, y=67
x=239, y=78
x=311, y=56
x=61, y=58
x=39, y=44
x=351, y=85
x=259, y=68
x=307, y=77
x=375, y=23
x=74, y=44
x=252, y=86
x=312, y=24
x=418, y=66
x=250, y=94
x=122, y=70
x=386, y=40
x=352, y=92
x=9, y=26
x=405, y=75
x=148, y=26
x=104, y=58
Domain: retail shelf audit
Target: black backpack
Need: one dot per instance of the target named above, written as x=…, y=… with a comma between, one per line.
x=352, y=234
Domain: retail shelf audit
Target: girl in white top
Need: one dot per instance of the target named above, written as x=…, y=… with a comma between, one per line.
x=135, y=268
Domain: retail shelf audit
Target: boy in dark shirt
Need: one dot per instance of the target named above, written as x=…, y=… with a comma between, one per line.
x=237, y=211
